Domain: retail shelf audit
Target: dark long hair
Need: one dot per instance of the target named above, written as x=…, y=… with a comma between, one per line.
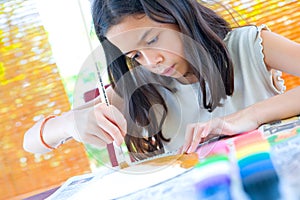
x=204, y=50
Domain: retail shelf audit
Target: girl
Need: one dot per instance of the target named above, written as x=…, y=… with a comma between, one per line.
x=179, y=76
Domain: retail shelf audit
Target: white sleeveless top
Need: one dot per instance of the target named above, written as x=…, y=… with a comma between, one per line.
x=252, y=83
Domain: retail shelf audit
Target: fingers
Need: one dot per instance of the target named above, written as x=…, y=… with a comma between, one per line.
x=111, y=123
x=194, y=134
x=200, y=132
x=98, y=125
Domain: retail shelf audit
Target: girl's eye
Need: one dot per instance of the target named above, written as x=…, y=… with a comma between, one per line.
x=136, y=56
x=153, y=40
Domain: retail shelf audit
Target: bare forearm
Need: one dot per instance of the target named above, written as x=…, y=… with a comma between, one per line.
x=278, y=107
x=98, y=125
x=55, y=130
x=53, y=133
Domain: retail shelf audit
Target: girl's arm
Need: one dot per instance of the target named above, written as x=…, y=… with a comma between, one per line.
x=284, y=55
x=281, y=54
x=94, y=123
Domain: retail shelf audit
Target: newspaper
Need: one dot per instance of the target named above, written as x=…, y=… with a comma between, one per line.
x=74, y=184
x=114, y=184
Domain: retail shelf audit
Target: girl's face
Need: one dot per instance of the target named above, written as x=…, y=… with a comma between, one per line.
x=156, y=46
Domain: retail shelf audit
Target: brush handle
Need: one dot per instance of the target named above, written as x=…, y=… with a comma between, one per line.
x=113, y=150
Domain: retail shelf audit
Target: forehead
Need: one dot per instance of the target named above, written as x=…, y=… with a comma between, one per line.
x=132, y=29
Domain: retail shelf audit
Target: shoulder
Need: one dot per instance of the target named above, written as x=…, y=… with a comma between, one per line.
x=246, y=41
x=249, y=50
x=278, y=52
x=245, y=34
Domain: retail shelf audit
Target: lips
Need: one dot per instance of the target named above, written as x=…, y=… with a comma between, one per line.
x=168, y=71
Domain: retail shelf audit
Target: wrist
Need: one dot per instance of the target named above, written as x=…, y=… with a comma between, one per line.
x=244, y=120
x=52, y=132
x=65, y=124
x=254, y=115
x=43, y=123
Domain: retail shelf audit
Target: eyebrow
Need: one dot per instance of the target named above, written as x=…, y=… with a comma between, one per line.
x=145, y=34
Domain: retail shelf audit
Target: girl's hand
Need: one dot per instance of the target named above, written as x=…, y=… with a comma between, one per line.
x=98, y=125
x=232, y=124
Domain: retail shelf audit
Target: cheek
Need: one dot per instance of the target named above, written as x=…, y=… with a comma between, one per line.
x=174, y=45
x=175, y=48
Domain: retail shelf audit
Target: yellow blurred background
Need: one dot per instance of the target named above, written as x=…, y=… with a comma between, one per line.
x=32, y=86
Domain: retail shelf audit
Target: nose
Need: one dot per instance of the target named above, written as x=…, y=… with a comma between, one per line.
x=152, y=58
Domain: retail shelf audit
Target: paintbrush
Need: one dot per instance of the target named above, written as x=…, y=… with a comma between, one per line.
x=121, y=156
